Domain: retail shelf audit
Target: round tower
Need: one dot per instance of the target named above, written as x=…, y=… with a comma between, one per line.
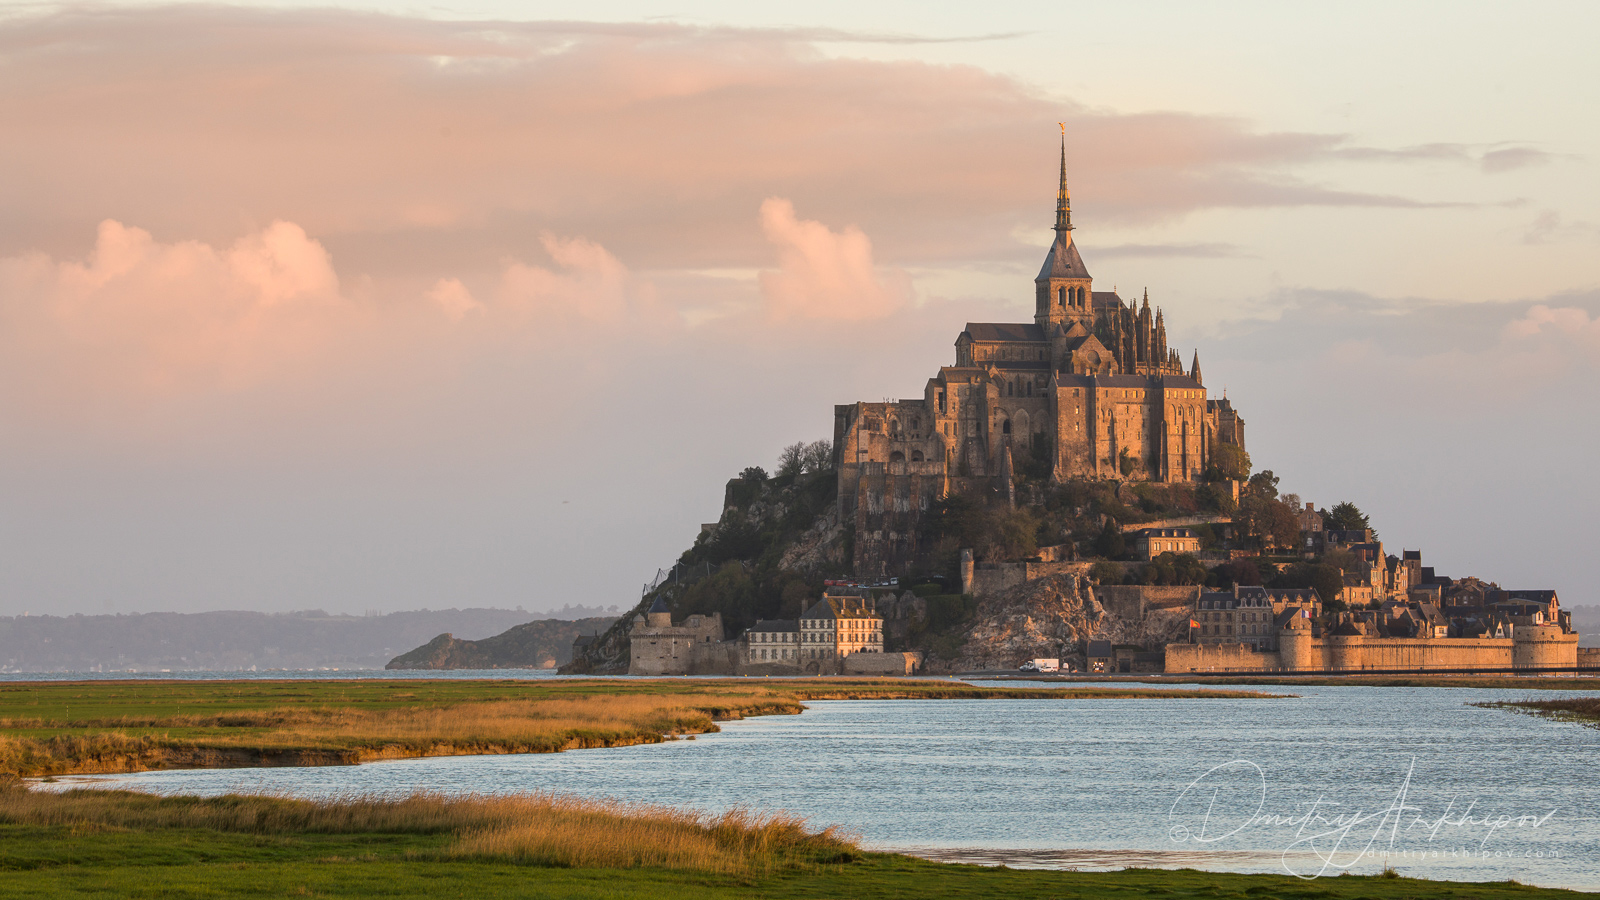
x=1543, y=647
x=659, y=616
x=1294, y=647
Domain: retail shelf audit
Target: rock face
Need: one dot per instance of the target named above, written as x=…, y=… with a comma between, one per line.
x=1053, y=617
x=534, y=645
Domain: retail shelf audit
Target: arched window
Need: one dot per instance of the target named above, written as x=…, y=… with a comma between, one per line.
x=1008, y=389
x=1061, y=296
x=916, y=456
x=1005, y=427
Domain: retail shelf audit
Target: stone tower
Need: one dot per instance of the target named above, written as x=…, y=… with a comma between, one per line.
x=1064, y=291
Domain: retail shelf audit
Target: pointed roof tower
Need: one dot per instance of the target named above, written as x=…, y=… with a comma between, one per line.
x=1194, y=370
x=1063, y=261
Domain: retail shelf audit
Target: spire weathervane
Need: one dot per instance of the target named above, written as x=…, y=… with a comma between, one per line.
x=1063, y=197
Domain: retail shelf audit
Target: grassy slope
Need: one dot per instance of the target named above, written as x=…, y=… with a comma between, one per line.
x=65, y=727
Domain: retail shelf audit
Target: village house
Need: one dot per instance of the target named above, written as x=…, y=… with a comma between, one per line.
x=1149, y=543
x=1252, y=616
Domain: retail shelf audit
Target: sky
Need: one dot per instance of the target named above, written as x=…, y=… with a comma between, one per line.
x=385, y=306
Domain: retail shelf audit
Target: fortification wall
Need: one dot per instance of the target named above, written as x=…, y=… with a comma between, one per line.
x=1589, y=656
x=1531, y=647
x=1218, y=658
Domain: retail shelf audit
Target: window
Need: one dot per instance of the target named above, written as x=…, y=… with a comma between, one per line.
x=1061, y=296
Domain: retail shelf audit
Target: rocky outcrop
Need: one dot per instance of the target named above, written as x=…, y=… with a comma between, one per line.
x=534, y=645
x=1054, y=617
x=819, y=548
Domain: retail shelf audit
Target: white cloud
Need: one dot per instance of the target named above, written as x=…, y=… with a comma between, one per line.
x=824, y=274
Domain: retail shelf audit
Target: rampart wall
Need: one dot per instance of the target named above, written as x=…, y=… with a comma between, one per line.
x=1529, y=647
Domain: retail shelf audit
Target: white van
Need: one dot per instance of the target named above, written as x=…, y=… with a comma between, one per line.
x=1041, y=665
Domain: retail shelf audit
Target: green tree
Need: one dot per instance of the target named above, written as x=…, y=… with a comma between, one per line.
x=1346, y=516
x=1228, y=462
x=1106, y=572
x=1110, y=544
x=1263, y=484
x=754, y=474
x=1270, y=522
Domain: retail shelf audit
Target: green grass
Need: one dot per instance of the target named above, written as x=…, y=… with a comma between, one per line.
x=53, y=728
x=122, y=845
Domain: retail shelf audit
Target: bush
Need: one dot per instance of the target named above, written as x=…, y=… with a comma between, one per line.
x=1105, y=572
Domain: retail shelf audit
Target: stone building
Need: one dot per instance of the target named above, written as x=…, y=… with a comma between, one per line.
x=840, y=634
x=838, y=625
x=1089, y=389
x=1253, y=616
x=1149, y=543
x=771, y=642
x=695, y=647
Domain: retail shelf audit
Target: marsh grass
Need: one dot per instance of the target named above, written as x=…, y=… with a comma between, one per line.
x=531, y=829
x=64, y=727
x=1583, y=710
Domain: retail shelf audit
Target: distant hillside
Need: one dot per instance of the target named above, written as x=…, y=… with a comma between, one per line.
x=533, y=645
x=1586, y=622
x=228, y=641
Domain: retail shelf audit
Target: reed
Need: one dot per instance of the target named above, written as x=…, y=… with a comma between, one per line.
x=532, y=829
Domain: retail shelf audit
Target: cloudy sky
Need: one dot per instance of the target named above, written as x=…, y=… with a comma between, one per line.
x=391, y=306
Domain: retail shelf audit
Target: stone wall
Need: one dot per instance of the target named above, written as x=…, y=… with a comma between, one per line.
x=1589, y=656
x=1530, y=647
x=1218, y=658
x=898, y=664
x=987, y=579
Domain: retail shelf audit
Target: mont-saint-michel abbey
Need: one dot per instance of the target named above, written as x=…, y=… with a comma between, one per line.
x=1088, y=400
x=1091, y=384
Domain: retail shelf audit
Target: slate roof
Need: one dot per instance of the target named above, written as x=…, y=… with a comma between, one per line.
x=775, y=625
x=1004, y=331
x=1104, y=300
x=660, y=606
x=1063, y=260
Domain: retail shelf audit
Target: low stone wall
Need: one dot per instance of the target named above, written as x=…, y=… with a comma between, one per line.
x=987, y=579
x=1589, y=656
x=883, y=663
x=1131, y=601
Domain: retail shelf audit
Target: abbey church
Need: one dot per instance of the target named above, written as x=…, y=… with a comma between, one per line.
x=1090, y=388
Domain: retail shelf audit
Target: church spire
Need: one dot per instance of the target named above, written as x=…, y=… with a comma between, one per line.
x=1194, y=370
x=1063, y=196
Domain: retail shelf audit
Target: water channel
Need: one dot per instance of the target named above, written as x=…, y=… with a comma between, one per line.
x=1336, y=779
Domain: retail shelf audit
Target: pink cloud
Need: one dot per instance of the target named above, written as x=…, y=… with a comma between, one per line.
x=824, y=274
x=141, y=314
x=414, y=146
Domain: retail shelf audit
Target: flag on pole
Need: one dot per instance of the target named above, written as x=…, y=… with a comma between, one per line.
x=1193, y=624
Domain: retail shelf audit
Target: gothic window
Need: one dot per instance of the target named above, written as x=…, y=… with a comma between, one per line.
x=1061, y=296
x=1005, y=427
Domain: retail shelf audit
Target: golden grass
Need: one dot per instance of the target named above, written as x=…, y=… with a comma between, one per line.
x=536, y=829
x=135, y=730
